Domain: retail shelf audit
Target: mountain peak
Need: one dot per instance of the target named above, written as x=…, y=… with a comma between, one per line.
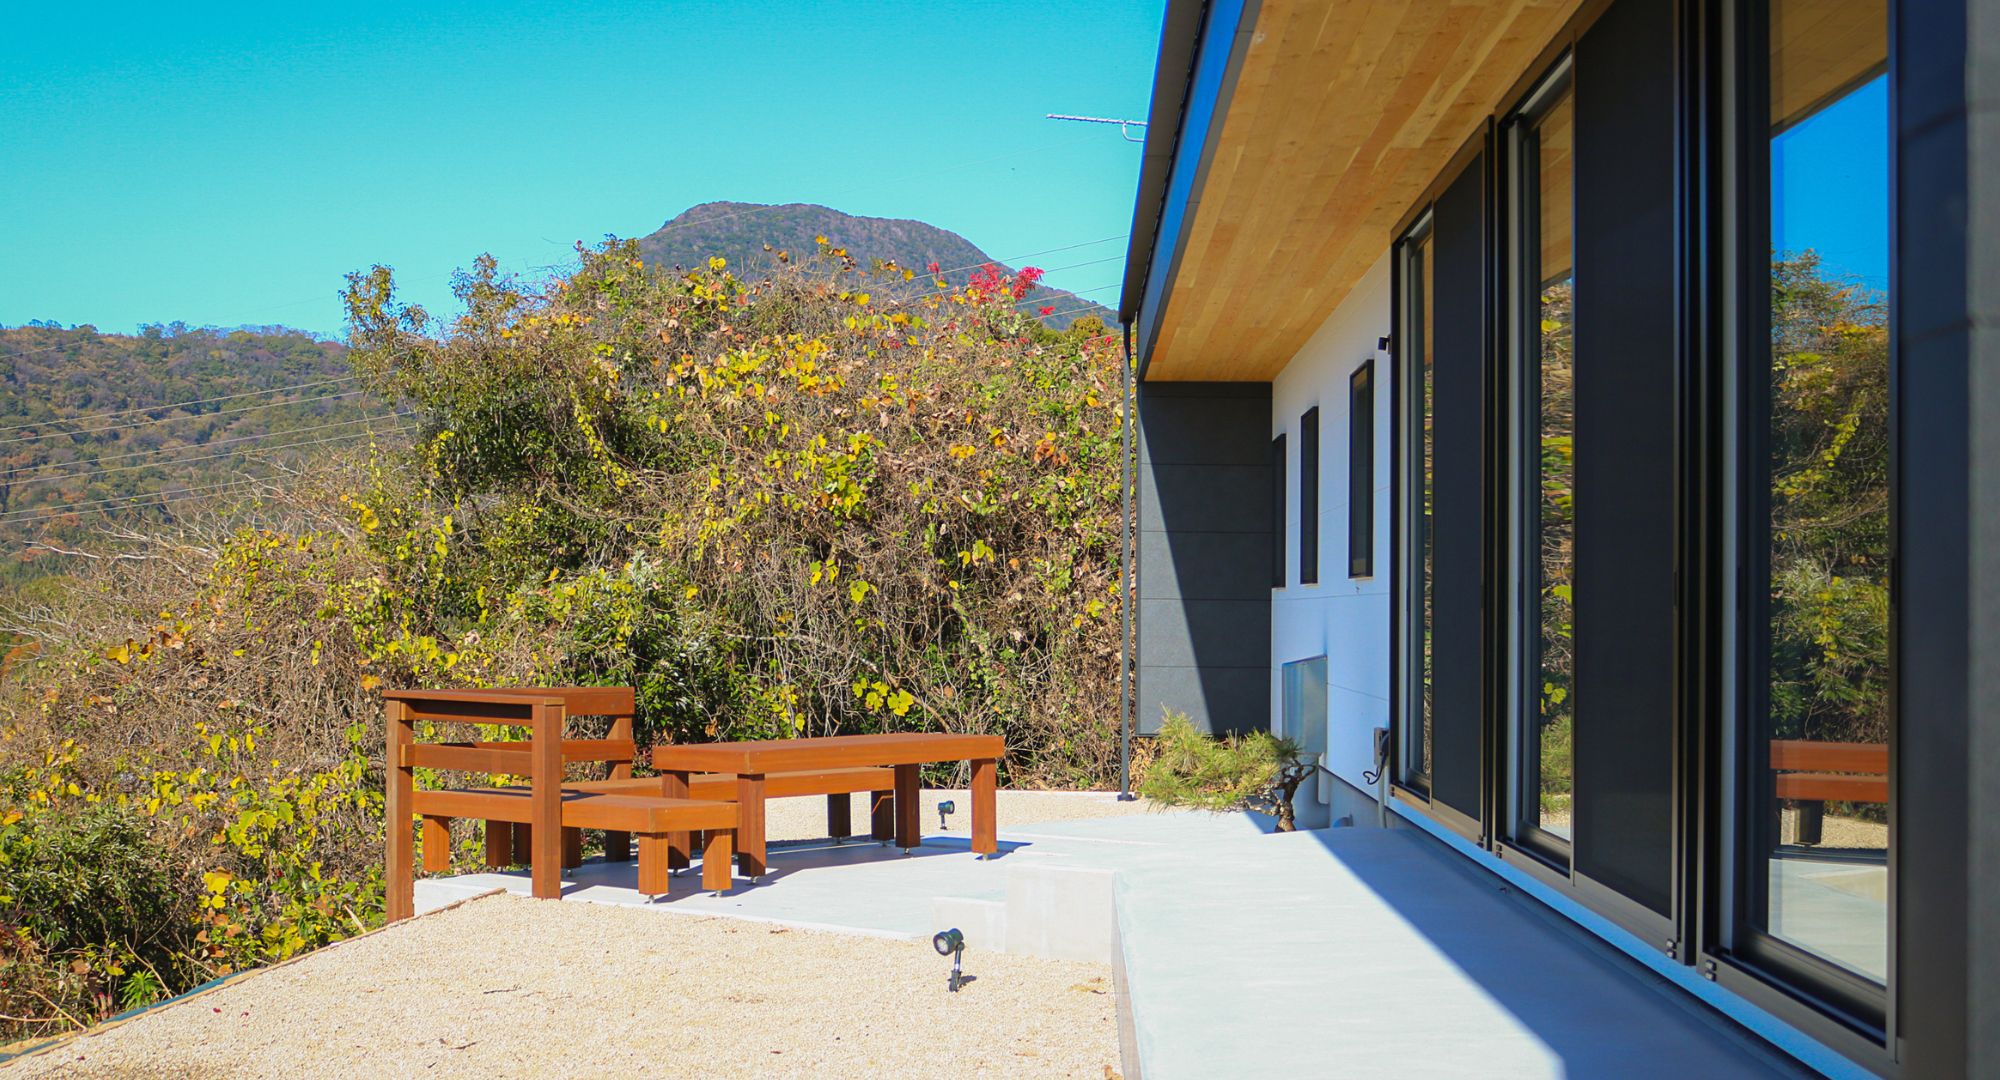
x=738, y=231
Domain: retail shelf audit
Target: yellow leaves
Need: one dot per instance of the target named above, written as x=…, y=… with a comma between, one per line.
x=367, y=519
x=12, y=817
x=718, y=264
x=962, y=451
x=820, y=240
x=120, y=653
x=878, y=695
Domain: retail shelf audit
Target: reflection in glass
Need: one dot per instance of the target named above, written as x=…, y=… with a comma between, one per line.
x=1420, y=329
x=1824, y=703
x=1549, y=143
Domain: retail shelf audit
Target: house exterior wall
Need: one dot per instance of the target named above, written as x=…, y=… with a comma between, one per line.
x=1343, y=619
x=1204, y=562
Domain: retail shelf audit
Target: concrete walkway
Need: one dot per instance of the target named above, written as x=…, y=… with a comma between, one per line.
x=1330, y=952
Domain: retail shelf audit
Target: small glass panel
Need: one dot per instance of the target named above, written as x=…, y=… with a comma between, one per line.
x=1821, y=847
x=1305, y=705
x=1552, y=476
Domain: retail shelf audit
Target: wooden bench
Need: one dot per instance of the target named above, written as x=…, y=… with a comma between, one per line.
x=651, y=818
x=1813, y=774
x=551, y=815
x=838, y=785
x=753, y=763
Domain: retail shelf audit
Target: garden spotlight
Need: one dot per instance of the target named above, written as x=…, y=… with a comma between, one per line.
x=944, y=808
x=951, y=943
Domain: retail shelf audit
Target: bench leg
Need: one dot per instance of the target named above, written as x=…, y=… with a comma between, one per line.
x=1812, y=818
x=617, y=847
x=653, y=872
x=882, y=815
x=437, y=844
x=499, y=843
x=909, y=808
x=524, y=843
x=750, y=823
x=572, y=851
x=985, y=830
x=840, y=816
x=399, y=880
x=716, y=859
x=674, y=785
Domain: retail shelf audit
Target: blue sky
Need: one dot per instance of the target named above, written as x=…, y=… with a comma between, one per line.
x=1830, y=186
x=227, y=165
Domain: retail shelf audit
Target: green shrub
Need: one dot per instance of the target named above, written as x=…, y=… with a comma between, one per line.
x=93, y=916
x=1189, y=768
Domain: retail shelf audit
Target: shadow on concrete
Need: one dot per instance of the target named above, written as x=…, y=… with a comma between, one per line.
x=1593, y=1009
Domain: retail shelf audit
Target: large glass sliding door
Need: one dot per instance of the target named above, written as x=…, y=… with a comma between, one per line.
x=1816, y=710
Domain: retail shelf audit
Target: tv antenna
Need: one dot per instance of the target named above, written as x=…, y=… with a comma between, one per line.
x=1124, y=126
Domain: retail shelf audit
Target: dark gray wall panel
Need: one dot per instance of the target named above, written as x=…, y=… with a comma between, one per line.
x=1458, y=491
x=1210, y=498
x=1625, y=387
x=1217, y=699
x=1195, y=565
x=1207, y=633
x=1945, y=318
x=1205, y=554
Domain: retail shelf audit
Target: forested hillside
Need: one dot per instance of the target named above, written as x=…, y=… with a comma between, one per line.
x=100, y=428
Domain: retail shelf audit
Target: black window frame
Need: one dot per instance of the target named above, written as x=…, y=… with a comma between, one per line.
x=1361, y=471
x=1522, y=253
x=1852, y=1000
x=1279, y=495
x=1409, y=708
x=1309, y=497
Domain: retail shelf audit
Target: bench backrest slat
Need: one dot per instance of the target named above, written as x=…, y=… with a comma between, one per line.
x=1804, y=755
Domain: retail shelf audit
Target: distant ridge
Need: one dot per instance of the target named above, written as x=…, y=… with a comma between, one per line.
x=738, y=231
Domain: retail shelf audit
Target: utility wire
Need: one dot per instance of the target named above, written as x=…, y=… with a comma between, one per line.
x=11, y=473
x=189, y=416
x=225, y=453
x=81, y=417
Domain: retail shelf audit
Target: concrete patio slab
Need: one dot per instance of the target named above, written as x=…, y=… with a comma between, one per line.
x=1245, y=953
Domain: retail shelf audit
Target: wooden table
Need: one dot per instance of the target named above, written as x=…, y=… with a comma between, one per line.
x=751, y=762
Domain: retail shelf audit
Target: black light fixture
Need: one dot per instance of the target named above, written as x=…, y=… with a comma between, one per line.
x=945, y=808
x=951, y=943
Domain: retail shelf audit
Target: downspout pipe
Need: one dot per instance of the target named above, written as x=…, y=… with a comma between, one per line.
x=1127, y=548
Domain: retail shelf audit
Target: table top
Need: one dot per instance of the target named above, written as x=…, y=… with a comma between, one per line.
x=828, y=752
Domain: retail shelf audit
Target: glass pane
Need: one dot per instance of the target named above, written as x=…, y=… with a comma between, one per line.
x=1420, y=321
x=1825, y=706
x=1552, y=139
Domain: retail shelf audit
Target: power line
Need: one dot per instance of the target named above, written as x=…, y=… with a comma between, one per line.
x=9, y=474
x=225, y=453
x=79, y=418
x=189, y=416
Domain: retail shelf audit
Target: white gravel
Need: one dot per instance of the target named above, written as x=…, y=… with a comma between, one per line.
x=510, y=987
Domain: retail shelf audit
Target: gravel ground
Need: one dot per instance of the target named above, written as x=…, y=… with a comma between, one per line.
x=507, y=987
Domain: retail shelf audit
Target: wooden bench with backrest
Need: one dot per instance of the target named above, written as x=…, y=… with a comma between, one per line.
x=1813, y=774
x=543, y=804
x=617, y=750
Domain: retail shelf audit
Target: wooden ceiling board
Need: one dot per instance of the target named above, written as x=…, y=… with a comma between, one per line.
x=1342, y=115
